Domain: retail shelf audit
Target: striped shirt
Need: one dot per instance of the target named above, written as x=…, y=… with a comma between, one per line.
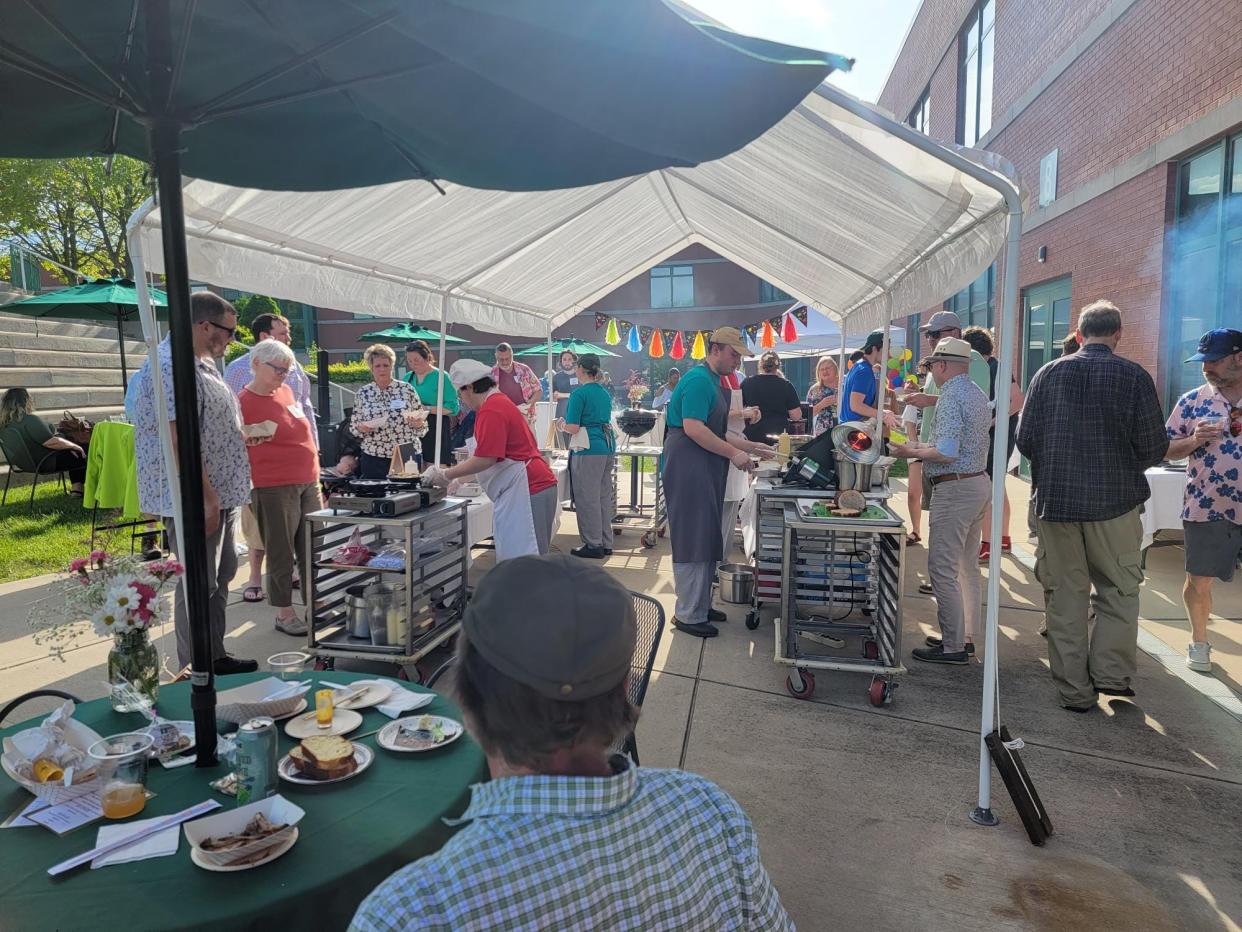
x=643, y=849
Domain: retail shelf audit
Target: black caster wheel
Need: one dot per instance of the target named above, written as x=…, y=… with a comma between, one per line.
x=752, y=619
x=325, y=663
x=649, y=540
x=807, y=681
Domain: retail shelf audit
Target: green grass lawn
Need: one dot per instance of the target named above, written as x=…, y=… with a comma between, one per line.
x=43, y=539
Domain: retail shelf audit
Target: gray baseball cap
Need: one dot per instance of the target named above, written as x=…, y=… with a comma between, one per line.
x=555, y=623
x=942, y=320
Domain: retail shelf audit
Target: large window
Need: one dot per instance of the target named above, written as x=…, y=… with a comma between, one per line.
x=976, y=46
x=976, y=303
x=770, y=294
x=1204, y=245
x=672, y=286
x=920, y=116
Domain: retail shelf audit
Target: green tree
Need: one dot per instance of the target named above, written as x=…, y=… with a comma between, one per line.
x=251, y=306
x=73, y=210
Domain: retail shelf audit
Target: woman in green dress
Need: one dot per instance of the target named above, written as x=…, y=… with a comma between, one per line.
x=592, y=468
x=425, y=379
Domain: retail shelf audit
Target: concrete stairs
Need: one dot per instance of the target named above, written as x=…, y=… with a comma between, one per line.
x=67, y=365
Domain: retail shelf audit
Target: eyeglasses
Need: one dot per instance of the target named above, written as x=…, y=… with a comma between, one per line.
x=934, y=334
x=229, y=330
x=281, y=371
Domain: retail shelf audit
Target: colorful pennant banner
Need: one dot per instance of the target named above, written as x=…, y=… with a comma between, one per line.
x=677, y=344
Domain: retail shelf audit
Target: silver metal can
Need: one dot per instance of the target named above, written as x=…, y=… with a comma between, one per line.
x=256, y=760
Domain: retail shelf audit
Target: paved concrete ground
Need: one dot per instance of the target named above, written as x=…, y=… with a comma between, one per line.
x=862, y=812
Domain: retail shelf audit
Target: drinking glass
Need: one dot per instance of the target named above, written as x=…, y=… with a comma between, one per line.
x=122, y=764
x=288, y=665
x=323, y=708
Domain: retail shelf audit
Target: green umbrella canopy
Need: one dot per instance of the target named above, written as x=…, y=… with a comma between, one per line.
x=404, y=332
x=320, y=94
x=559, y=346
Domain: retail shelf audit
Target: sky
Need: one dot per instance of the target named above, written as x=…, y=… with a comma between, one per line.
x=869, y=32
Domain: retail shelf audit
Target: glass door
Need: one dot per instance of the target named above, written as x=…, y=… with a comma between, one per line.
x=1046, y=323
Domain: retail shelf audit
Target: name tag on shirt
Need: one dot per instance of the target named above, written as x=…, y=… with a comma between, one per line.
x=397, y=404
x=296, y=409
x=573, y=381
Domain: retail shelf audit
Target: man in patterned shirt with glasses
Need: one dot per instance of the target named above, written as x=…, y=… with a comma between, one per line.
x=1206, y=425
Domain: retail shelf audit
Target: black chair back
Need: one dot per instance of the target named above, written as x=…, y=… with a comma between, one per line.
x=35, y=694
x=16, y=452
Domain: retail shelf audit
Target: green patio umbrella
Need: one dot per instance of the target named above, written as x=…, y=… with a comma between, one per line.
x=404, y=332
x=559, y=346
x=302, y=95
x=111, y=299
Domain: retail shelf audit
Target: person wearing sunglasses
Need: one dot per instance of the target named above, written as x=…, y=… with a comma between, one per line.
x=1206, y=425
x=284, y=468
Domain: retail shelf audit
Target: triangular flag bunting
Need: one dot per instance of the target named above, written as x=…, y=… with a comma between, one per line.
x=611, y=336
x=632, y=344
x=656, y=350
x=625, y=326
x=600, y=319
x=789, y=333
x=768, y=338
x=644, y=334
x=677, y=350
x=800, y=312
x=699, y=349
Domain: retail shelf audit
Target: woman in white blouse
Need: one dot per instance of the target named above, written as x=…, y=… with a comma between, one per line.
x=387, y=413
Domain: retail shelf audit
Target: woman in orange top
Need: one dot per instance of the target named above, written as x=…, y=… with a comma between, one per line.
x=284, y=470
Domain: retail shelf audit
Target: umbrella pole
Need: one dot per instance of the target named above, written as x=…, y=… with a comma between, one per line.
x=120, y=336
x=442, y=421
x=165, y=142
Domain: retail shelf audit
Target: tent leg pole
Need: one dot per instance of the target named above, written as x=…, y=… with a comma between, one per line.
x=982, y=813
x=120, y=337
x=442, y=421
x=165, y=143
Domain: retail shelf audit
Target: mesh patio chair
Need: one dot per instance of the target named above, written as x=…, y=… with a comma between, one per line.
x=35, y=694
x=21, y=459
x=649, y=615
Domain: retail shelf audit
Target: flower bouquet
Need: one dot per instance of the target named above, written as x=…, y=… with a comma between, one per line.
x=117, y=597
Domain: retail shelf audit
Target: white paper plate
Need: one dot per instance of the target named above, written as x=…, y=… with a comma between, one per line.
x=387, y=738
x=186, y=729
x=343, y=722
x=377, y=692
x=197, y=857
x=296, y=710
x=288, y=770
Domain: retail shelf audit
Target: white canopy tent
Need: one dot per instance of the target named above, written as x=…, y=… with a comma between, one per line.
x=839, y=205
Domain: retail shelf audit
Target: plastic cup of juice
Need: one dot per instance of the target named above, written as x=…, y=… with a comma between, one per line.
x=323, y=708
x=122, y=764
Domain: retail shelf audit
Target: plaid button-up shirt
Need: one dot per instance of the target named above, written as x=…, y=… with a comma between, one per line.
x=1091, y=426
x=644, y=849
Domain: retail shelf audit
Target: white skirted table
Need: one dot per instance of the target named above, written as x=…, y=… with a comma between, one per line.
x=1163, y=511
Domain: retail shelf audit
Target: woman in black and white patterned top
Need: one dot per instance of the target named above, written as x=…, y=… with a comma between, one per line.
x=386, y=413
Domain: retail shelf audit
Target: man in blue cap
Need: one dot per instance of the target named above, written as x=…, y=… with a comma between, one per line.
x=1206, y=425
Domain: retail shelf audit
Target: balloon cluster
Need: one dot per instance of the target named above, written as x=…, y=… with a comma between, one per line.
x=900, y=368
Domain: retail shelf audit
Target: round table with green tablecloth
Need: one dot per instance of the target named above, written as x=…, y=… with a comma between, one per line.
x=355, y=833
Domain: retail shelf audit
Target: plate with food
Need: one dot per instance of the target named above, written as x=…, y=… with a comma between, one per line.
x=259, y=430
x=245, y=837
x=322, y=759
x=419, y=733
x=171, y=739
x=304, y=726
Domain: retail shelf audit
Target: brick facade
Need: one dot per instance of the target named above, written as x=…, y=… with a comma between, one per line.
x=1159, y=67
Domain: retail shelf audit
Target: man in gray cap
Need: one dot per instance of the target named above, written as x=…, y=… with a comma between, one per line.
x=568, y=835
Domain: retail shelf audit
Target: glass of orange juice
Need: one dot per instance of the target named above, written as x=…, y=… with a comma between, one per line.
x=122, y=764
x=323, y=708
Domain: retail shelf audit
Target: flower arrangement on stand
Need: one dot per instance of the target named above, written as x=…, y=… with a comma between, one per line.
x=115, y=597
x=636, y=386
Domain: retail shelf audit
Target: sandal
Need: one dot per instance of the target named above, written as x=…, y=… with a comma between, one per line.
x=913, y=538
x=253, y=594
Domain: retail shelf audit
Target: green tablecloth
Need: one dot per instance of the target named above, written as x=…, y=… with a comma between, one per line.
x=354, y=834
x=111, y=472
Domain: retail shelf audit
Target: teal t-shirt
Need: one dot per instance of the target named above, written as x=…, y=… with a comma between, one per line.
x=591, y=406
x=430, y=386
x=695, y=397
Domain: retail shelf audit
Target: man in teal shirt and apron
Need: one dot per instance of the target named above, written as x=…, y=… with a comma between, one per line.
x=696, y=463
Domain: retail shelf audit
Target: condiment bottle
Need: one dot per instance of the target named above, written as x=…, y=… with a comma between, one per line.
x=784, y=446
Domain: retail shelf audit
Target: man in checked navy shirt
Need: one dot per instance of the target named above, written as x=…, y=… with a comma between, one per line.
x=1091, y=426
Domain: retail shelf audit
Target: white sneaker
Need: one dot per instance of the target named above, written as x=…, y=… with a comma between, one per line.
x=1199, y=656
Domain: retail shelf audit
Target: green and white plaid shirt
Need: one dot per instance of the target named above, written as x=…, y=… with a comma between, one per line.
x=644, y=849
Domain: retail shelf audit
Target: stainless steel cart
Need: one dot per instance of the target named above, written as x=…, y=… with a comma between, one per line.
x=840, y=604
x=637, y=514
x=434, y=581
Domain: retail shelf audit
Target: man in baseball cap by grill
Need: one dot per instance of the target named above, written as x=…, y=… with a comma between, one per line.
x=1206, y=425
x=567, y=833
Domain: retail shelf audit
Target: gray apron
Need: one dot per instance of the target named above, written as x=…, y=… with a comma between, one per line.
x=694, y=487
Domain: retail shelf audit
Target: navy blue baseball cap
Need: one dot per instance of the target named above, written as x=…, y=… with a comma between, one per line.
x=1217, y=344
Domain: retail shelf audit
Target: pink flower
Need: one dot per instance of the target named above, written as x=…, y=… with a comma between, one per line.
x=145, y=614
x=146, y=593
x=98, y=556
x=79, y=565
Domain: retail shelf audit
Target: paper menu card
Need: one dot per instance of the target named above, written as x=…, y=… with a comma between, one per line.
x=71, y=814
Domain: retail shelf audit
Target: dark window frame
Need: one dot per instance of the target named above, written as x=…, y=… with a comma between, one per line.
x=920, y=114
x=974, y=23
x=671, y=273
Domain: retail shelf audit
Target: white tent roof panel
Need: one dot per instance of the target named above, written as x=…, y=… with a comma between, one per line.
x=846, y=213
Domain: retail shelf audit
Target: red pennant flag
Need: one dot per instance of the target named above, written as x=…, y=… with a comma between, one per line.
x=789, y=333
x=768, y=339
x=678, y=348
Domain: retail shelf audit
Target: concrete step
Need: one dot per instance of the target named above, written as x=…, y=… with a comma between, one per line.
x=71, y=344
x=60, y=397
x=56, y=359
x=68, y=376
x=19, y=323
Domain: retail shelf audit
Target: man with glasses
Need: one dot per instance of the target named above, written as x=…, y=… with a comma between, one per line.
x=226, y=467
x=1091, y=427
x=1206, y=425
x=237, y=375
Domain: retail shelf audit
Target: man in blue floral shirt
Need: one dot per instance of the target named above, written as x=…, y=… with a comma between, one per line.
x=1206, y=425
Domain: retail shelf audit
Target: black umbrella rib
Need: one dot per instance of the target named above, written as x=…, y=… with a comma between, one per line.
x=23, y=61
x=76, y=45
x=207, y=110
x=124, y=64
x=182, y=48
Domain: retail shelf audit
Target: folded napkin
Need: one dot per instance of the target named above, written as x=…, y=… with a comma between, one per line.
x=159, y=845
x=402, y=700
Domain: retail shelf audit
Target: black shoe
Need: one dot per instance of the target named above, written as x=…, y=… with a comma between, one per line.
x=229, y=664
x=936, y=642
x=1115, y=691
x=925, y=588
x=703, y=630
x=587, y=552
x=937, y=655
x=715, y=614
x=153, y=554
x=607, y=551
x=1080, y=709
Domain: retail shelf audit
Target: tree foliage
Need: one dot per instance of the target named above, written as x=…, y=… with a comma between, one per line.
x=73, y=210
x=251, y=306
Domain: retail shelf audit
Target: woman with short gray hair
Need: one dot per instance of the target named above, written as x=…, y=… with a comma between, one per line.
x=387, y=413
